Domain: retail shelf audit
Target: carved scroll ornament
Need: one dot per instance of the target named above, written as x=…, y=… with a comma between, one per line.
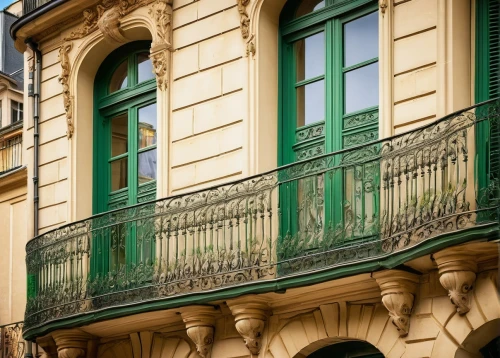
x=64, y=80
x=200, y=327
x=457, y=274
x=245, y=26
x=398, y=290
x=250, y=315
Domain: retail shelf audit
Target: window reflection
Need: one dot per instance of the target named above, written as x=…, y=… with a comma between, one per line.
x=147, y=166
x=147, y=126
x=311, y=103
x=310, y=56
x=119, y=135
x=119, y=79
x=308, y=6
x=119, y=174
x=361, y=39
x=145, y=67
x=361, y=88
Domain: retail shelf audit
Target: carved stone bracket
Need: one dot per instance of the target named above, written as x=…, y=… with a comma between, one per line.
x=457, y=274
x=72, y=343
x=161, y=12
x=200, y=327
x=250, y=315
x=398, y=290
x=383, y=6
x=160, y=57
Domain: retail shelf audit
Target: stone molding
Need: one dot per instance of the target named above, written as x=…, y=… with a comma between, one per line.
x=245, y=26
x=398, y=289
x=200, y=327
x=250, y=316
x=457, y=274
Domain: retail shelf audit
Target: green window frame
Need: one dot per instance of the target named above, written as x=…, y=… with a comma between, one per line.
x=125, y=122
x=340, y=128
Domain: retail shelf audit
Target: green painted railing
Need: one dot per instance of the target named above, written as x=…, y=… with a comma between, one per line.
x=397, y=193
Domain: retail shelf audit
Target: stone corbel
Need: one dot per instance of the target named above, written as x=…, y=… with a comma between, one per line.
x=200, y=327
x=383, y=6
x=73, y=343
x=109, y=24
x=398, y=289
x=48, y=345
x=457, y=274
x=160, y=58
x=250, y=315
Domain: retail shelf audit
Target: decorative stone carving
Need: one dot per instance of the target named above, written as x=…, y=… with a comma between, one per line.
x=250, y=315
x=161, y=59
x=64, y=80
x=398, y=290
x=200, y=323
x=109, y=24
x=383, y=6
x=161, y=12
x=72, y=343
x=244, y=18
x=457, y=274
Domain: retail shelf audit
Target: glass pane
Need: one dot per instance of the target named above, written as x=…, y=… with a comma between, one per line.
x=147, y=166
x=119, y=135
x=119, y=177
x=119, y=78
x=311, y=103
x=361, y=39
x=310, y=56
x=147, y=126
x=308, y=6
x=361, y=88
x=145, y=68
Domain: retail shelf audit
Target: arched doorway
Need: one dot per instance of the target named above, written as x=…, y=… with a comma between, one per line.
x=350, y=349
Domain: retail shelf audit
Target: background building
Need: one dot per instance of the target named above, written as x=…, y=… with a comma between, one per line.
x=261, y=178
x=13, y=187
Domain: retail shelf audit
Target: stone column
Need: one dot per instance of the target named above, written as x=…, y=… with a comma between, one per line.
x=72, y=343
x=200, y=327
x=250, y=315
x=398, y=289
x=457, y=274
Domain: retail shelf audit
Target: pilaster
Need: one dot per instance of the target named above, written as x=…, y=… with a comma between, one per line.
x=250, y=316
x=398, y=289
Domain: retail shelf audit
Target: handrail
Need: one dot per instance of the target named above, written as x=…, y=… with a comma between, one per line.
x=359, y=204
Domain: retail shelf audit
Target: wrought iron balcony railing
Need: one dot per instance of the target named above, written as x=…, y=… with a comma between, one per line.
x=355, y=206
x=12, y=344
x=11, y=151
x=30, y=5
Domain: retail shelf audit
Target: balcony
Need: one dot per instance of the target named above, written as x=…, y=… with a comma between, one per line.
x=11, y=150
x=31, y=5
x=11, y=340
x=400, y=198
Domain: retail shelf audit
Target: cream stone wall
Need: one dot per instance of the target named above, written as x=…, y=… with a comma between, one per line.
x=8, y=94
x=13, y=238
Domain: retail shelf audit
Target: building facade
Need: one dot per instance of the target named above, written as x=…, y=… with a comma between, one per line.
x=261, y=178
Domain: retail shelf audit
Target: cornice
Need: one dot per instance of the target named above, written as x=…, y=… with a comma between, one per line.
x=13, y=179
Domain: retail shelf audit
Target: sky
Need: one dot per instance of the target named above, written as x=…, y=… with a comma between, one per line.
x=5, y=3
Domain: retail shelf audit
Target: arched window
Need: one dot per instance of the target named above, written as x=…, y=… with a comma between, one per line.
x=125, y=158
x=328, y=102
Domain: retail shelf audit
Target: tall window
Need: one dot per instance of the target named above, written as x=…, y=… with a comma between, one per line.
x=16, y=111
x=125, y=154
x=329, y=102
